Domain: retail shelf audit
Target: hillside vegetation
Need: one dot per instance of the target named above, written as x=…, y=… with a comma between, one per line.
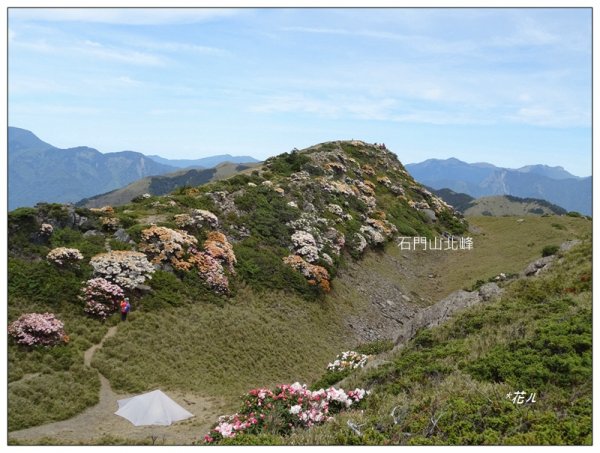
x=256, y=280
x=164, y=184
x=507, y=205
x=456, y=384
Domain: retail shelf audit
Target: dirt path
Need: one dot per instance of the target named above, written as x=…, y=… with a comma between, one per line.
x=99, y=421
x=89, y=354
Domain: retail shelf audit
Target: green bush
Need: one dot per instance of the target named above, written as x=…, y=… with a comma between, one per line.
x=263, y=268
x=375, y=347
x=550, y=250
x=43, y=282
x=287, y=163
x=330, y=378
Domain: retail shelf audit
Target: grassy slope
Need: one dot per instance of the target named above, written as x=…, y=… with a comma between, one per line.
x=500, y=206
x=254, y=339
x=501, y=244
x=537, y=339
x=125, y=194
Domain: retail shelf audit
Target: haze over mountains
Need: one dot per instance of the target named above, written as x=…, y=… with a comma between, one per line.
x=205, y=162
x=553, y=184
x=39, y=171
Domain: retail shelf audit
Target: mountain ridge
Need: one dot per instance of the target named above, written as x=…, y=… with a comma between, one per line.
x=571, y=193
x=41, y=172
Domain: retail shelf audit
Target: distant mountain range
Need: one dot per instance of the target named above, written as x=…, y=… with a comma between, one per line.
x=205, y=162
x=41, y=172
x=553, y=184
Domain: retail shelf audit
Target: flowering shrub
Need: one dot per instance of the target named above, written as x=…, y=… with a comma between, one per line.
x=383, y=226
x=63, y=256
x=365, y=187
x=281, y=411
x=368, y=169
x=387, y=182
x=359, y=243
x=110, y=223
x=197, y=218
x=334, y=167
x=335, y=209
x=32, y=329
x=305, y=246
x=217, y=246
x=211, y=270
x=374, y=236
x=164, y=245
x=125, y=268
x=104, y=210
x=46, y=229
x=339, y=187
x=316, y=275
x=101, y=297
x=349, y=360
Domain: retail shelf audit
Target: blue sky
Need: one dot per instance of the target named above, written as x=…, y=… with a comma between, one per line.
x=506, y=86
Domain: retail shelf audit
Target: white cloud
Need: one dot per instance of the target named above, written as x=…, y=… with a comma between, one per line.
x=121, y=55
x=180, y=47
x=560, y=116
x=38, y=109
x=89, y=48
x=122, y=16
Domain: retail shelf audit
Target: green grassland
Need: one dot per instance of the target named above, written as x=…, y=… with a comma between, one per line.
x=506, y=205
x=500, y=244
x=190, y=342
x=449, y=385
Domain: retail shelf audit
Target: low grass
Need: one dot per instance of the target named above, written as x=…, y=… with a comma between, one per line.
x=449, y=385
x=51, y=384
x=500, y=244
x=256, y=339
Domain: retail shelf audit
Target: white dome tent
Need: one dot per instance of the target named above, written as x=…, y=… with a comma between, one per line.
x=152, y=408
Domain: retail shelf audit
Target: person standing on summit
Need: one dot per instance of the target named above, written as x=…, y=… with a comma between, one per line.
x=125, y=307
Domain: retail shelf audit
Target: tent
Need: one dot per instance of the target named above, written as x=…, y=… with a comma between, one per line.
x=152, y=408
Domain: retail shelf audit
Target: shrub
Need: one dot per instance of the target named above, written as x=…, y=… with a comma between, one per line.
x=282, y=410
x=42, y=282
x=164, y=245
x=549, y=250
x=101, y=297
x=126, y=269
x=375, y=347
x=349, y=360
x=63, y=256
x=211, y=270
x=217, y=246
x=315, y=275
x=262, y=267
x=33, y=329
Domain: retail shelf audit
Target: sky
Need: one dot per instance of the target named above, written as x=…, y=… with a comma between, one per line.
x=507, y=86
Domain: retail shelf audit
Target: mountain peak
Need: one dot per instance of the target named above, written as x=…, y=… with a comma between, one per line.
x=556, y=172
x=19, y=139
